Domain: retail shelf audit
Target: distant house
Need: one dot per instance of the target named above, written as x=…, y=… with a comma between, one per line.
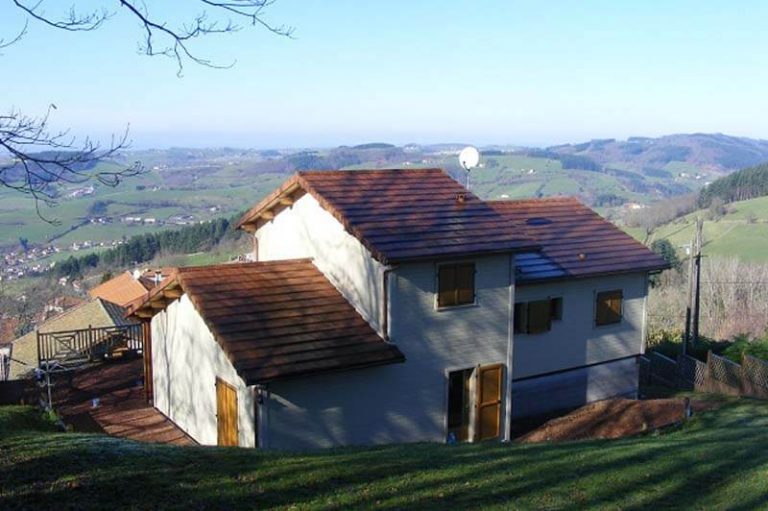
x=122, y=289
x=396, y=306
x=95, y=313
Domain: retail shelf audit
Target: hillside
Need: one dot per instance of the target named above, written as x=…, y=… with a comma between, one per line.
x=741, y=232
x=716, y=461
x=189, y=186
x=710, y=153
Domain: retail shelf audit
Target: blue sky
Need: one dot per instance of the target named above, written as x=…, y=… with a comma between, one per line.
x=402, y=71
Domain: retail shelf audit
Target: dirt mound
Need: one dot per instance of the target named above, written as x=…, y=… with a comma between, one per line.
x=612, y=418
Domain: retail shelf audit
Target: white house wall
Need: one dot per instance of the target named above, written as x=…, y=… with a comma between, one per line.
x=401, y=402
x=571, y=389
x=307, y=230
x=186, y=360
x=575, y=341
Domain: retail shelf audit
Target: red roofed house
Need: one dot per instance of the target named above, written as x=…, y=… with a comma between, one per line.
x=396, y=306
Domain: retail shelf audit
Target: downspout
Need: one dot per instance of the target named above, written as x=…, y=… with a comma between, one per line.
x=385, y=292
x=510, y=346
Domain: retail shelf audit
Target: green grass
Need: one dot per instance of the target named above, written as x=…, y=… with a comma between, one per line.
x=719, y=460
x=742, y=232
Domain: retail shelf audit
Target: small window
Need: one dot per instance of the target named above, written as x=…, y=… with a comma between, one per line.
x=456, y=284
x=536, y=317
x=608, y=307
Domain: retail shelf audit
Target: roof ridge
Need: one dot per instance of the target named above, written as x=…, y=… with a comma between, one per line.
x=272, y=262
x=363, y=171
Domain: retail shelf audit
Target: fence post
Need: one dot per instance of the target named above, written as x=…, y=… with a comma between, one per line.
x=708, y=373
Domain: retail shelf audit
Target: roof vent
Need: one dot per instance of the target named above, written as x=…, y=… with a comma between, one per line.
x=538, y=220
x=582, y=256
x=461, y=198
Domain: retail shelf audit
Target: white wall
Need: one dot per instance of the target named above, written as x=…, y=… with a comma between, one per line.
x=186, y=360
x=575, y=341
x=401, y=402
x=307, y=230
x=574, y=388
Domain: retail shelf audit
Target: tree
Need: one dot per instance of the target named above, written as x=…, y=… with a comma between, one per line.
x=666, y=250
x=39, y=158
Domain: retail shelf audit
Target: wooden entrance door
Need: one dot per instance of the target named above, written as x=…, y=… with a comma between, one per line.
x=488, y=402
x=226, y=413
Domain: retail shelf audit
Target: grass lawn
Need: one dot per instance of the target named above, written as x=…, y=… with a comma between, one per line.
x=718, y=460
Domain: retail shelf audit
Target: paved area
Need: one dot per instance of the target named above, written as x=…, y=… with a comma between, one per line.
x=120, y=408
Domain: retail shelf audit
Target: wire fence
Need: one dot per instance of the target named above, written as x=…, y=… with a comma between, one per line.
x=717, y=375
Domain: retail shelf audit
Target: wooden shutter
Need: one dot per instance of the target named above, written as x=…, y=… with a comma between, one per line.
x=465, y=284
x=488, y=404
x=455, y=284
x=539, y=316
x=521, y=318
x=446, y=294
x=608, y=307
x=226, y=413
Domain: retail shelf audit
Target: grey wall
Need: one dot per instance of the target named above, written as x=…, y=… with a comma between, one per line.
x=576, y=341
x=402, y=402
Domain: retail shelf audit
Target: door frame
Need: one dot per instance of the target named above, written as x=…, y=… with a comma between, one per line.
x=473, y=408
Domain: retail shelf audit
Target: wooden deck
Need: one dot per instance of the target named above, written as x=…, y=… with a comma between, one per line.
x=121, y=410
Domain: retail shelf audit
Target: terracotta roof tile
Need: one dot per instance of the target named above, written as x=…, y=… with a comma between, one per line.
x=276, y=319
x=121, y=290
x=575, y=241
x=401, y=214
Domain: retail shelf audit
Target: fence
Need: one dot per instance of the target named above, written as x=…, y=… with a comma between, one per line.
x=74, y=347
x=718, y=374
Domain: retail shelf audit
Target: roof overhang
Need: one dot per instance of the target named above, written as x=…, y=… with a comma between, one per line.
x=284, y=197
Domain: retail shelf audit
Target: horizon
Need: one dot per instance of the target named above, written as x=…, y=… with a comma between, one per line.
x=518, y=74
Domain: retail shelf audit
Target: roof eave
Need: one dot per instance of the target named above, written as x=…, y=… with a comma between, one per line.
x=462, y=255
x=397, y=358
x=649, y=270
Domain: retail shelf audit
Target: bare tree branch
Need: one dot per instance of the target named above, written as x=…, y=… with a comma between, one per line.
x=40, y=158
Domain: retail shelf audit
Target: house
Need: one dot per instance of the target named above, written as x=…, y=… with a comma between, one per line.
x=396, y=306
x=122, y=289
x=94, y=313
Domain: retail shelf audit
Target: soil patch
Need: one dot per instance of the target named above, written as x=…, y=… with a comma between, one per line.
x=615, y=418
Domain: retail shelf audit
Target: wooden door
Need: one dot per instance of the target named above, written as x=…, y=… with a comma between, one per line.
x=488, y=402
x=226, y=413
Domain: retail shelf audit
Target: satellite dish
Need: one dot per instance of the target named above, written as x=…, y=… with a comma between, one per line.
x=469, y=157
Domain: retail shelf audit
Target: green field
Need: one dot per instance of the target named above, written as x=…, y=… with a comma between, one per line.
x=718, y=460
x=742, y=232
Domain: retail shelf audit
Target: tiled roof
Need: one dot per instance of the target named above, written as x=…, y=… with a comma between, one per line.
x=276, y=319
x=121, y=290
x=575, y=241
x=400, y=214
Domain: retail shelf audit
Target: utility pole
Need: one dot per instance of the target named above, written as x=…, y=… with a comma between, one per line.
x=697, y=293
x=692, y=309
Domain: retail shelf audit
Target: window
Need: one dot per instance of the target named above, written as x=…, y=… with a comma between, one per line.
x=536, y=317
x=608, y=307
x=456, y=284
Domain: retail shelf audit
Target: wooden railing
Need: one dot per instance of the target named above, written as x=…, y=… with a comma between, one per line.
x=75, y=347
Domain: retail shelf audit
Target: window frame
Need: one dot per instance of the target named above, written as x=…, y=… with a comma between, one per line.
x=455, y=264
x=595, y=301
